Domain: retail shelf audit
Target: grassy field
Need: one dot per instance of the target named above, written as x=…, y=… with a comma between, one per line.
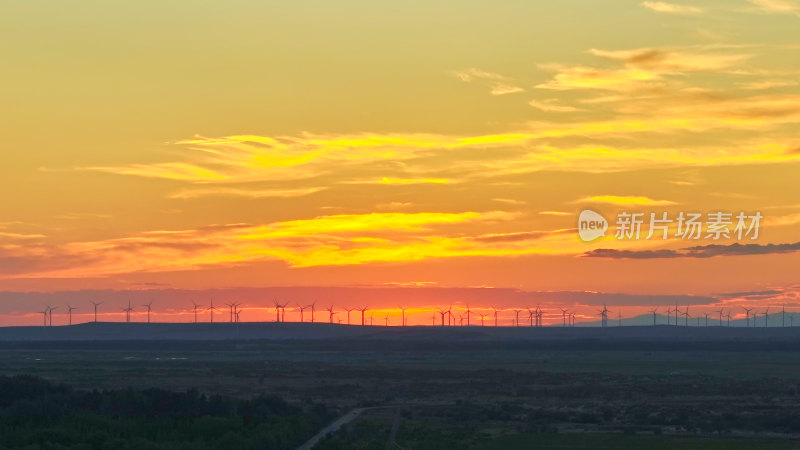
x=470, y=398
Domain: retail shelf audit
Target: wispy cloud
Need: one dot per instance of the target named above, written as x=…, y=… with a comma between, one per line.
x=552, y=105
x=664, y=60
x=343, y=239
x=702, y=251
x=641, y=69
x=510, y=201
x=777, y=6
x=20, y=236
x=672, y=8
x=388, y=180
x=767, y=84
x=242, y=192
x=623, y=200
x=498, y=84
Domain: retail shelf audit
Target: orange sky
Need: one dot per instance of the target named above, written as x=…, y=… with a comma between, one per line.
x=367, y=144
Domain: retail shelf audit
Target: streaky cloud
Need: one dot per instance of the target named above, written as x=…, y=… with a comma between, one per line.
x=702, y=251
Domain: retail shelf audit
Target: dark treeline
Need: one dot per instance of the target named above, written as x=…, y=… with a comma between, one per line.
x=607, y=342
x=35, y=413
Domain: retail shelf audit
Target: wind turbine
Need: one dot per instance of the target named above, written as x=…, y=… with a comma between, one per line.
x=604, y=316
x=196, y=306
x=385, y=320
x=720, y=315
x=230, y=310
x=539, y=316
x=69, y=312
x=728, y=316
x=783, y=316
x=330, y=314
x=277, y=311
x=128, y=311
x=483, y=316
x=766, y=318
x=313, y=305
x=442, y=313
x=211, y=310
x=348, y=313
x=468, y=313
x=495, y=316
x=686, y=316
x=44, y=312
x=148, y=306
x=516, y=321
x=706, y=316
x=363, y=310
x=403, y=316
x=747, y=316
x=50, y=310
x=619, y=318
x=302, y=308
x=564, y=316
x=96, y=304
x=531, y=314
x=653, y=311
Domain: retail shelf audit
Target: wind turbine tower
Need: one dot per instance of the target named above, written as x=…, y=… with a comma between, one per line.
x=211, y=310
x=69, y=312
x=149, y=306
x=230, y=310
x=348, y=313
x=128, y=311
x=96, y=304
x=50, y=310
x=302, y=309
x=196, y=307
x=747, y=316
x=330, y=313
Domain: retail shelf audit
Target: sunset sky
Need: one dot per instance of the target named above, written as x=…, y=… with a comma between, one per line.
x=211, y=147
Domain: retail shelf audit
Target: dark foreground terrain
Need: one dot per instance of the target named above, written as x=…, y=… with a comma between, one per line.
x=419, y=388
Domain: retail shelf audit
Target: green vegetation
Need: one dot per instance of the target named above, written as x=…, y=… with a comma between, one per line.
x=418, y=398
x=35, y=413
